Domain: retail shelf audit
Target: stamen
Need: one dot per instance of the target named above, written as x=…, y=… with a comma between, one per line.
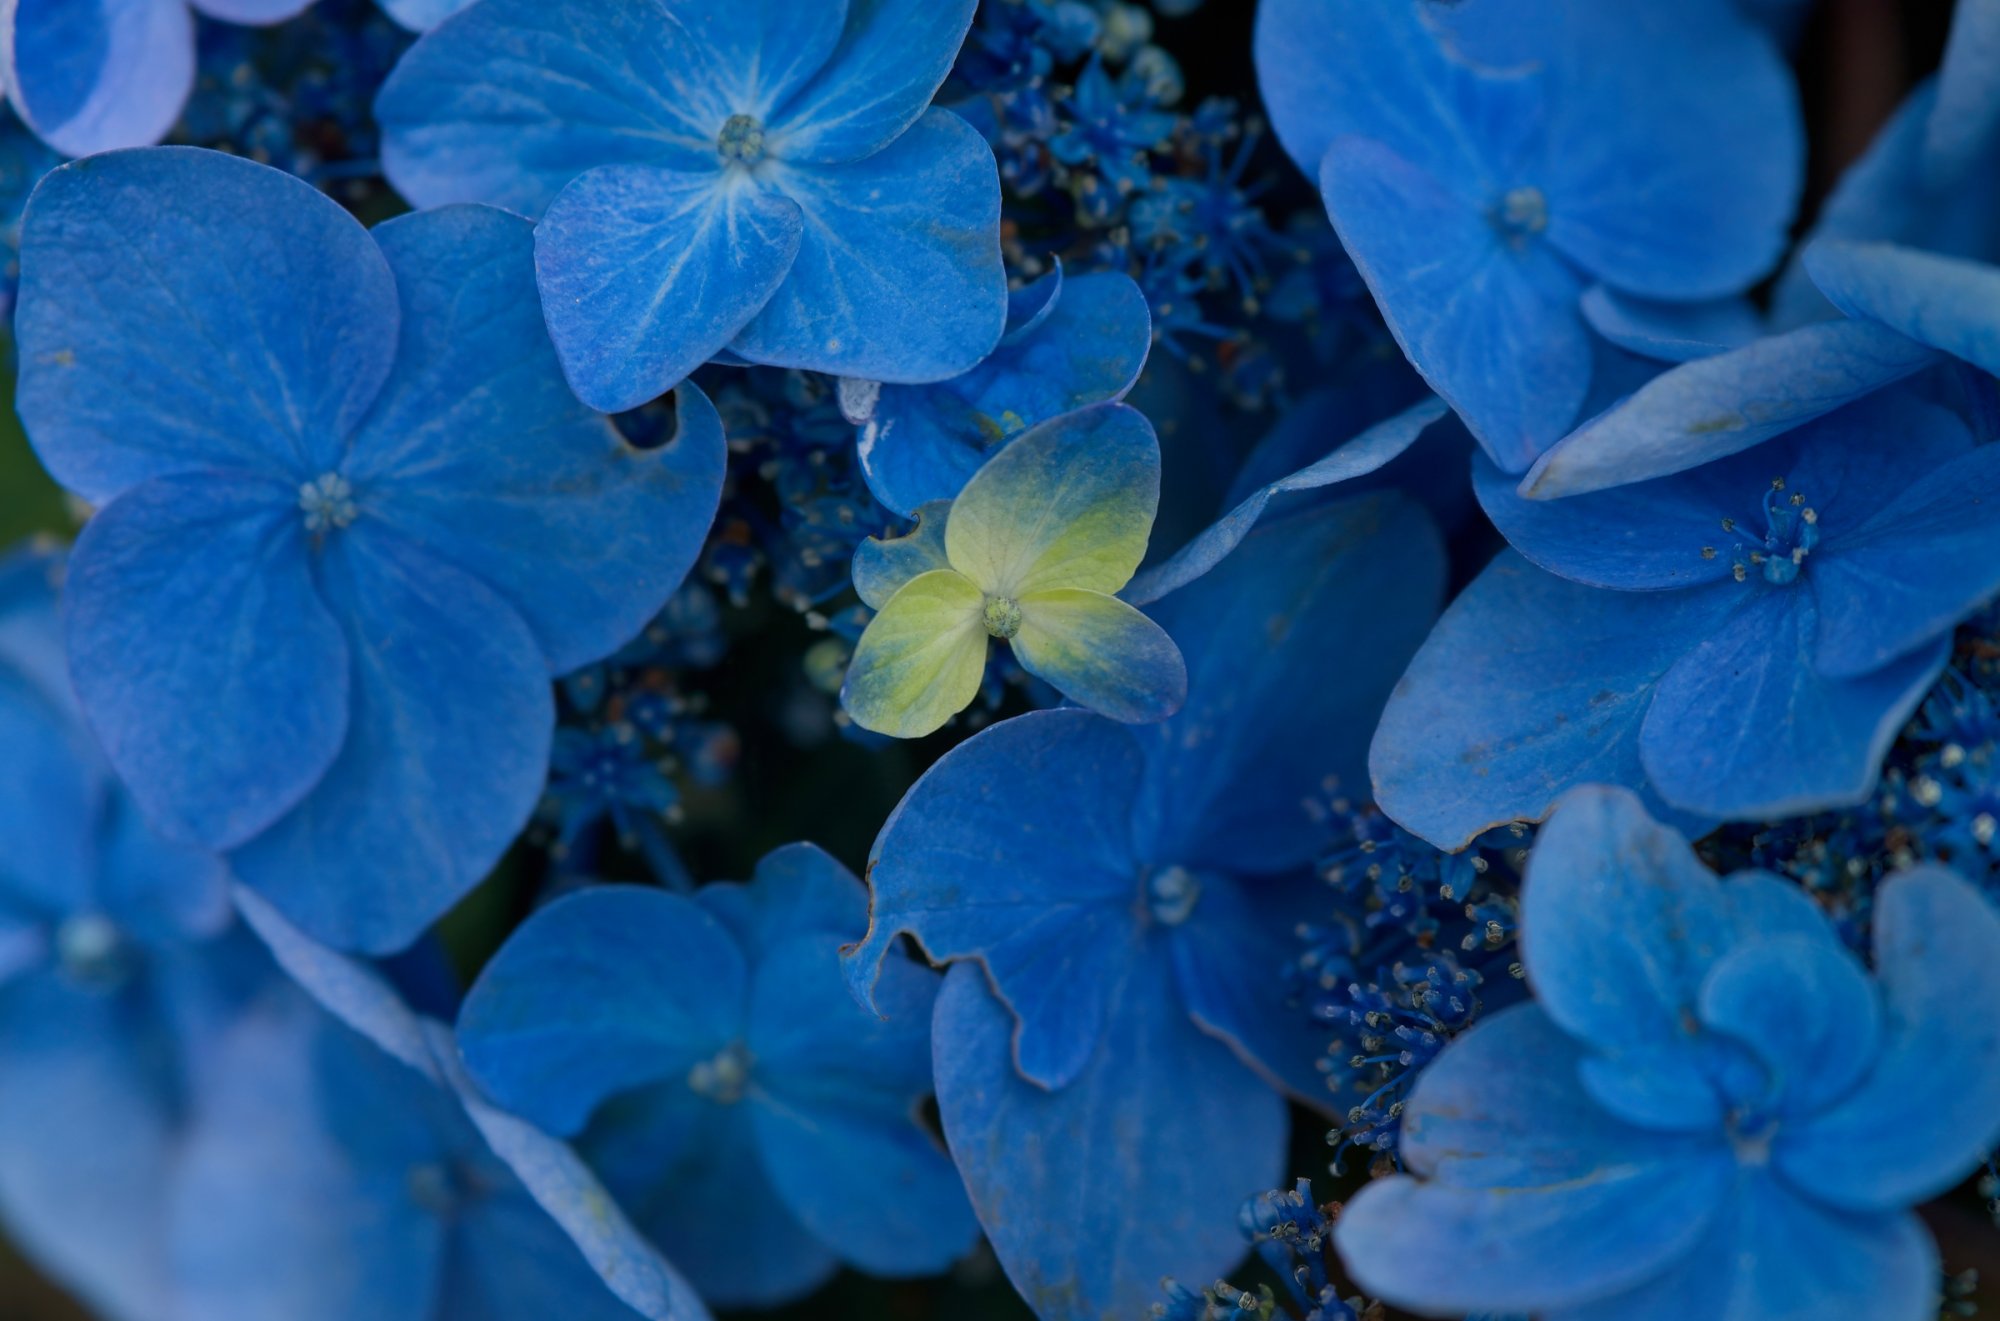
x=741, y=140
x=327, y=501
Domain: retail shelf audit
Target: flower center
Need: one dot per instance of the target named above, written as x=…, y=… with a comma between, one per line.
x=741, y=140
x=327, y=501
x=1002, y=617
x=92, y=952
x=1751, y=1132
x=1171, y=894
x=1521, y=214
x=1791, y=530
x=723, y=1078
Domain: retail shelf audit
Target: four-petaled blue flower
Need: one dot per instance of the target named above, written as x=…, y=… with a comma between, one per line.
x=752, y=175
x=759, y=1124
x=114, y=972
x=1100, y=885
x=1485, y=162
x=1742, y=640
x=351, y=520
x=1711, y=1110
x=1070, y=342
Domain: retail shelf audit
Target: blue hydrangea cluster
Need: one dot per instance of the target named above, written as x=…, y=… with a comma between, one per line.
x=1390, y=591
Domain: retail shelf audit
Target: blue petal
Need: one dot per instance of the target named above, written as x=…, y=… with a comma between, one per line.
x=1279, y=707
x=564, y=1187
x=692, y=1175
x=1101, y=653
x=645, y=273
x=1057, y=1176
x=1713, y=407
x=585, y=535
x=1493, y=327
x=356, y=993
x=89, y=1122
x=421, y=15
x=1724, y=736
x=511, y=99
x=838, y=1093
x=211, y=670
x=1670, y=332
x=880, y=79
x=1366, y=453
x=1537, y=1199
x=439, y=789
x=1946, y=302
x=511, y=1263
x=599, y=993
x=146, y=351
x=1237, y=1000
x=1960, y=132
x=883, y=566
x=796, y=888
x=252, y=11
x=1502, y=710
x=1805, y=1006
x=1773, y=1255
x=93, y=75
x=1927, y=559
x=52, y=789
x=1930, y=1109
x=898, y=276
x=1015, y=849
x=924, y=443
x=157, y=892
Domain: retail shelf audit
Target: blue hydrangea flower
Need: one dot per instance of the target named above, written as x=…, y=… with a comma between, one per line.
x=754, y=175
x=329, y=493
x=1711, y=1110
x=755, y=1119
x=1069, y=343
x=114, y=972
x=1102, y=885
x=1484, y=162
x=343, y=1165
x=1030, y=553
x=1743, y=639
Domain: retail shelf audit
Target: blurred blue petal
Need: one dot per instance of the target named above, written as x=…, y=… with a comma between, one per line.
x=975, y=873
x=1722, y=736
x=531, y=517
x=93, y=75
x=1960, y=132
x=212, y=672
x=1946, y=302
x=1280, y=708
x=898, y=276
x=1670, y=332
x=1492, y=326
x=438, y=789
x=796, y=888
x=1717, y=406
x=1083, y=1213
x=145, y=350
x=878, y=81
x=598, y=993
x=645, y=273
x=1349, y=460
x=1086, y=344
x=1804, y=1005
x=251, y=11
x=1930, y=1109
x=1499, y=714
x=508, y=101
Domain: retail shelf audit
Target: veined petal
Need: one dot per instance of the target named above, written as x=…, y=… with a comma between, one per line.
x=146, y=350
x=898, y=276
x=1946, y=302
x=1101, y=653
x=919, y=662
x=645, y=273
x=439, y=789
x=1069, y=504
x=479, y=450
x=882, y=567
x=891, y=59
x=207, y=663
x=90, y=76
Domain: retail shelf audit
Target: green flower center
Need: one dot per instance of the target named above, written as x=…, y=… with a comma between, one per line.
x=741, y=140
x=1001, y=617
